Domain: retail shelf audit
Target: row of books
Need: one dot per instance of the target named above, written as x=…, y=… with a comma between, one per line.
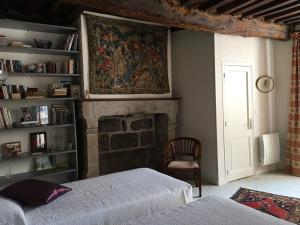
x=12, y=92
x=69, y=66
x=71, y=42
x=11, y=65
x=5, y=118
x=61, y=114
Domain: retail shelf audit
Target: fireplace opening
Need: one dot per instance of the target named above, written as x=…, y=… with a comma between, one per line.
x=131, y=141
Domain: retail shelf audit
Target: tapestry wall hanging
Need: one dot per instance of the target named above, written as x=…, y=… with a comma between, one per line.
x=126, y=57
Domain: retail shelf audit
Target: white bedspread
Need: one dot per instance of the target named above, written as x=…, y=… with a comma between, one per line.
x=112, y=199
x=11, y=213
x=211, y=210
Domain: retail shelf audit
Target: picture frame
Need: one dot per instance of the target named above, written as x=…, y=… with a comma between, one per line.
x=75, y=91
x=38, y=142
x=45, y=163
x=26, y=113
x=11, y=149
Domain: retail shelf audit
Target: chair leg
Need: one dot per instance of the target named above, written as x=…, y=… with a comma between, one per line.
x=200, y=184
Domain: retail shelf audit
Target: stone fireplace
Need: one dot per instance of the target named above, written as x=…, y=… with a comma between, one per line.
x=116, y=135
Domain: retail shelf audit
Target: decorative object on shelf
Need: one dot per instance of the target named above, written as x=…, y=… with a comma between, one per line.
x=75, y=91
x=8, y=172
x=44, y=115
x=38, y=142
x=32, y=93
x=40, y=43
x=265, y=84
x=127, y=57
x=45, y=163
x=3, y=40
x=26, y=114
x=11, y=149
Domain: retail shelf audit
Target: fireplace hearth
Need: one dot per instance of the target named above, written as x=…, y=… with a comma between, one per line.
x=117, y=135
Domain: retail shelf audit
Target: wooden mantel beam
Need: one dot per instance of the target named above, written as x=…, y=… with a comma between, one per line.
x=170, y=13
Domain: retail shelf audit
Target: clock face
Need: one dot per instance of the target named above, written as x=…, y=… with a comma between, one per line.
x=265, y=84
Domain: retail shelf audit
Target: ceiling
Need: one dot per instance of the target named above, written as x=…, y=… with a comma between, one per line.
x=285, y=13
x=276, y=11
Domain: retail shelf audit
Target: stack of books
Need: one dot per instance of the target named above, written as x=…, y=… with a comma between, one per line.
x=71, y=42
x=60, y=92
x=61, y=114
x=5, y=118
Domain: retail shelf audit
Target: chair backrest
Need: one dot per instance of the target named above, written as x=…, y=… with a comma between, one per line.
x=183, y=146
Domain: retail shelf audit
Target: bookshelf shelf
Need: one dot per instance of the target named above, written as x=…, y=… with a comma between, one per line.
x=36, y=127
x=42, y=75
x=36, y=174
x=36, y=99
x=37, y=51
x=28, y=155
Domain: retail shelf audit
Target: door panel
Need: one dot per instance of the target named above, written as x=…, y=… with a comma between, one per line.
x=238, y=128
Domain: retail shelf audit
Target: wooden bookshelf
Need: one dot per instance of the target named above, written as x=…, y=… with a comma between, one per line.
x=29, y=56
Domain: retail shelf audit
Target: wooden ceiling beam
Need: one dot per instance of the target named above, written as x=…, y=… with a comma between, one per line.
x=283, y=14
x=252, y=6
x=235, y=5
x=170, y=13
x=269, y=8
x=292, y=21
x=288, y=18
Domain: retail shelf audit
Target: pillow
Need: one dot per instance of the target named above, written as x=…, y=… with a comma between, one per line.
x=11, y=212
x=34, y=192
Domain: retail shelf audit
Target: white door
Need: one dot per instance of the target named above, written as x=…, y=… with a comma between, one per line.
x=238, y=135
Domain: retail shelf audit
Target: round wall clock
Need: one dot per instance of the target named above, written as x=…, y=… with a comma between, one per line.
x=265, y=84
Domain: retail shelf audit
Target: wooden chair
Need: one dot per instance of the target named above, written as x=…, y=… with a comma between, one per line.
x=183, y=155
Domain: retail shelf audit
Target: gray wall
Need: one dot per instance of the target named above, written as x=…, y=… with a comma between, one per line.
x=194, y=81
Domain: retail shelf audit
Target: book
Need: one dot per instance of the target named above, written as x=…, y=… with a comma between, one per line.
x=75, y=42
x=71, y=42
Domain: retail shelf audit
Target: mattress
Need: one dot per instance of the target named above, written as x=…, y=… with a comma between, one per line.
x=210, y=210
x=112, y=199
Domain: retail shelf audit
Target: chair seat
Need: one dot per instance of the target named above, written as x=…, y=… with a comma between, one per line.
x=183, y=165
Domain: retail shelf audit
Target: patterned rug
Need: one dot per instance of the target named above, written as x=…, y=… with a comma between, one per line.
x=283, y=207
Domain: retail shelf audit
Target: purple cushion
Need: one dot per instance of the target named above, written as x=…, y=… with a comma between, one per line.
x=34, y=192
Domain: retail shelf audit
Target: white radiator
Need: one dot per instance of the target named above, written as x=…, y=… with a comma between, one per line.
x=269, y=149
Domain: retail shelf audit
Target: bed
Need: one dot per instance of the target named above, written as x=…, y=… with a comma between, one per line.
x=210, y=210
x=105, y=200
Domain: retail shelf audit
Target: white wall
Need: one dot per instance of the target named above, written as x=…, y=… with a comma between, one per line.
x=259, y=53
x=193, y=81
x=283, y=71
